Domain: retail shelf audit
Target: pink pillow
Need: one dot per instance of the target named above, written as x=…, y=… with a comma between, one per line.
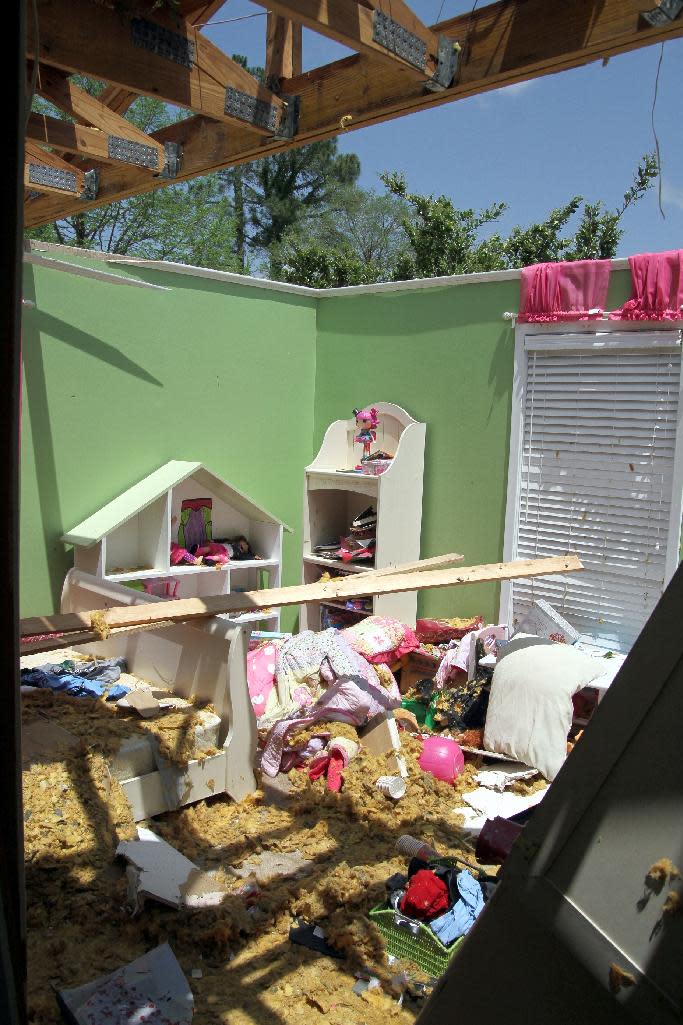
x=261, y=676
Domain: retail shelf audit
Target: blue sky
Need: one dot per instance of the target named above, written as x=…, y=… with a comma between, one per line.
x=532, y=145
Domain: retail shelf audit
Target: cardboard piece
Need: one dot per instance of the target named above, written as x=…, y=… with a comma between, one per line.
x=156, y=870
x=380, y=736
x=45, y=741
x=202, y=890
x=272, y=865
x=143, y=701
x=151, y=989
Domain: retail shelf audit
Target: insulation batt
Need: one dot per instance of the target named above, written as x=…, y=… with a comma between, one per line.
x=79, y=926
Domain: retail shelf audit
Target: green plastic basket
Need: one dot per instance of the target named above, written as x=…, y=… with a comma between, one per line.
x=413, y=940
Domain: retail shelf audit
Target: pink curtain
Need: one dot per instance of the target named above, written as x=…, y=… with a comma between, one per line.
x=575, y=290
x=656, y=287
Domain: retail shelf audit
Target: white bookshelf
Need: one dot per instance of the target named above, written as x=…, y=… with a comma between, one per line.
x=333, y=497
x=130, y=538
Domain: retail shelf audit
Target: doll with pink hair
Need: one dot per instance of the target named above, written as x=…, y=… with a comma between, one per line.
x=367, y=421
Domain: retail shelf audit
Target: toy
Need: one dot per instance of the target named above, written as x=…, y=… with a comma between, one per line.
x=195, y=522
x=442, y=757
x=367, y=421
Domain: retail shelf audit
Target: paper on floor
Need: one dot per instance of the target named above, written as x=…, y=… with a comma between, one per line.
x=483, y=804
x=151, y=989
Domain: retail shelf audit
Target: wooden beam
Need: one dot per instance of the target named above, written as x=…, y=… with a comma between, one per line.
x=38, y=161
x=65, y=137
x=283, y=49
x=195, y=12
x=61, y=91
x=357, y=586
x=353, y=24
x=181, y=66
x=504, y=45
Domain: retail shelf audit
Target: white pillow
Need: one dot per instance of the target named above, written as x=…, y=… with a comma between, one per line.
x=530, y=709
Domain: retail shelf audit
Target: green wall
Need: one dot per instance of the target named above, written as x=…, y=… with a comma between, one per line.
x=118, y=380
x=446, y=355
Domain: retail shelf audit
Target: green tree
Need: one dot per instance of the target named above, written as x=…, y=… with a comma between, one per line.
x=446, y=240
x=275, y=195
x=320, y=266
x=360, y=223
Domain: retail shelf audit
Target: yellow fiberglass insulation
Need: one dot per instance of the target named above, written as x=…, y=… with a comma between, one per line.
x=79, y=926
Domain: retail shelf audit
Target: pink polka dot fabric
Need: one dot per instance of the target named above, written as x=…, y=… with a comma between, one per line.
x=261, y=677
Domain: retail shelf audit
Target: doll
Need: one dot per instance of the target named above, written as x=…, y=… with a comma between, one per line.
x=367, y=421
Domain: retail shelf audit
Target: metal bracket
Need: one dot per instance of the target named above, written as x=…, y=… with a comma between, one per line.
x=91, y=184
x=55, y=177
x=173, y=154
x=447, y=59
x=251, y=110
x=394, y=37
x=162, y=41
x=289, y=125
x=131, y=152
x=667, y=11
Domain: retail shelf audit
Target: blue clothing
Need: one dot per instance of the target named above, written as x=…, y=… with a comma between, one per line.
x=80, y=679
x=459, y=919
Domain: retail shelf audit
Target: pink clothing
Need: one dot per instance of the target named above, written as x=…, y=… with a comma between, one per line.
x=380, y=639
x=656, y=287
x=574, y=290
x=351, y=701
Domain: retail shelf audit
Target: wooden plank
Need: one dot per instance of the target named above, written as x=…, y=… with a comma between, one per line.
x=283, y=49
x=507, y=42
x=351, y=24
x=412, y=567
x=80, y=36
x=65, y=137
x=359, y=586
x=89, y=636
x=54, y=86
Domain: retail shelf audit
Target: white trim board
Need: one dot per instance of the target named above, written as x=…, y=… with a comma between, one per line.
x=583, y=338
x=36, y=260
x=229, y=277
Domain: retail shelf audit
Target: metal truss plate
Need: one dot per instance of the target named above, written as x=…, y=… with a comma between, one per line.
x=251, y=110
x=397, y=39
x=173, y=158
x=91, y=184
x=131, y=152
x=289, y=125
x=667, y=12
x=162, y=41
x=54, y=177
x=447, y=56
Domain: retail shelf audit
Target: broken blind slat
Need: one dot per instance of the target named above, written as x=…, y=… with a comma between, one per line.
x=598, y=450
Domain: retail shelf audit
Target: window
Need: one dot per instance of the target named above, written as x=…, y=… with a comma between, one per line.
x=596, y=467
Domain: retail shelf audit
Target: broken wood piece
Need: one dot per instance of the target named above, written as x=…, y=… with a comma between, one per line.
x=358, y=586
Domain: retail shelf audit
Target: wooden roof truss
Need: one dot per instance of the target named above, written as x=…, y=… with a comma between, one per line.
x=399, y=65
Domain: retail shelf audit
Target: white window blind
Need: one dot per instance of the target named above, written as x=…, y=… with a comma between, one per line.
x=597, y=473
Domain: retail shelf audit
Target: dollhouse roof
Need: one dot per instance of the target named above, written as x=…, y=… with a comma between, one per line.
x=154, y=486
